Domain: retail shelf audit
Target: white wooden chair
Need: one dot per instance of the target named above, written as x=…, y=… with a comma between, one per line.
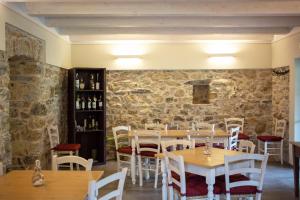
x=156, y=126
x=60, y=149
x=181, y=184
x=123, y=147
x=199, y=141
x=246, y=146
x=239, y=185
x=233, y=139
x=57, y=161
x=172, y=145
x=236, y=122
x=272, y=143
x=147, y=147
x=94, y=186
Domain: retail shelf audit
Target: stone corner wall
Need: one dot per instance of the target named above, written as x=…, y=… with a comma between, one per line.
x=280, y=101
x=5, y=143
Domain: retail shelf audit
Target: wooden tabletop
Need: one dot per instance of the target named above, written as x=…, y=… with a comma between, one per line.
x=180, y=133
x=59, y=185
x=295, y=143
x=197, y=157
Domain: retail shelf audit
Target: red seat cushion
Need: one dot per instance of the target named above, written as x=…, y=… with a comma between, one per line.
x=243, y=136
x=196, y=186
x=125, y=150
x=236, y=190
x=219, y=146
x=66, y=147
x=188, y=175
x=148, y=154
x=199, y=144
x=269, y=138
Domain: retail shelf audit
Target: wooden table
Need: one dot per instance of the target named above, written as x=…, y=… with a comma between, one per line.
x=196, y=162
x=220, y=136
x=66, y=185
x=296, y=155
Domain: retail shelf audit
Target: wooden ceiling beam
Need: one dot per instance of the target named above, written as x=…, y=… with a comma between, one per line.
x=97, y=22
x=172, y=31
x=166, y=8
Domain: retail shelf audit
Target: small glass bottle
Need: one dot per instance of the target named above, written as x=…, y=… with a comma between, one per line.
x=92, y=83
x=77, y=81
x=94, y=103
x=84, y=124
x=89, y=103
x=100, y=103
x=96, y=125
x=90, y=123
x=93, y=123
x=97, y=82
x=78, y=103
x=83, y=103
x=81, y=84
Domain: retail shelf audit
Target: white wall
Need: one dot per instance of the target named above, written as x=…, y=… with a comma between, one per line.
x=284, y=53
x=172, y=55
x=58, y=50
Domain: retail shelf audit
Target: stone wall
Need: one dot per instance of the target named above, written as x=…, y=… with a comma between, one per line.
x=5, y=144
x=137, y=97
x=38, y=99
x=280, y=100
x=21, y=43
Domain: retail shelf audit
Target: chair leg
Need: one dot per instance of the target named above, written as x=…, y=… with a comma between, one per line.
x=140, y=170
x=71, y=164
x=265, y=148
x=118, y=161
x=156, y=172
x=228, y=196
x=258, y=196
x=281, y=152
x=77, y=165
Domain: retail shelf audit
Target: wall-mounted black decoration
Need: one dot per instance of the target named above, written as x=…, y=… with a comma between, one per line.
x=281, y=71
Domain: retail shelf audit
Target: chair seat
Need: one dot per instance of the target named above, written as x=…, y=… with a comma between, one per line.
x=125, y=150
x=148, y=154
x=243, y=136
x=269, y=138
x=199, y=144
x=196, y=186
x=66, y=147
x=240, y=190
x=188, y=175
x=219, y=146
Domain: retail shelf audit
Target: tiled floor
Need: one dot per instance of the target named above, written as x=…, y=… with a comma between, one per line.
x=278, y=184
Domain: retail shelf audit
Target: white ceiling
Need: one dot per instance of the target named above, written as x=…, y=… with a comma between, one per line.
x=90, y=21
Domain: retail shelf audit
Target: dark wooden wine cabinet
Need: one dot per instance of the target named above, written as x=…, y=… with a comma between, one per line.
x=87, y=118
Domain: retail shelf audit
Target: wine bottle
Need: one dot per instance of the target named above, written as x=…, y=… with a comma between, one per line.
x=100, y=104
x=84, y=124
x=94, y=103
x=90, y=123
x=78, y=103
x=83, y=103
x=97, y=82
x=93, y=123
x=89, y=103
x=77, y=81
x=81, y=84
x=92, y=83
x=96, y=125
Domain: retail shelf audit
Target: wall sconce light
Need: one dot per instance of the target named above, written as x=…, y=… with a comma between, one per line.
x=128, y=62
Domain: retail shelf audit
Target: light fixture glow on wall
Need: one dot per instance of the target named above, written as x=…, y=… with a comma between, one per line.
x=128, y=48
x=221, y=60
x=128, y=62
x=220, y=47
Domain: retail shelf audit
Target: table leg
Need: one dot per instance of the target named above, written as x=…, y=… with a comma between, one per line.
x=210, y=181
x=296, y=171
x=164, y=180
x=133, y=162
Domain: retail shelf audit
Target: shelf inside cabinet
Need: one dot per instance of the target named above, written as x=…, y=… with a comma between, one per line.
x=90, y=131
x=89, y=111
x=89, y=90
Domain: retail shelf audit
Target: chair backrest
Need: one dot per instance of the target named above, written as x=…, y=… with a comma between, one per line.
x=198, y=127
x=233, y=139
x=53, y=134
x=172, y=145
x=121, y=136
x=155, y=126
x=280, y=126
x=233, y=123
x=246, y=146
x=94, y=186
x=175, y=164
x=258, y=170
x=56, y=161
x=147, y=143
x=172, y=126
